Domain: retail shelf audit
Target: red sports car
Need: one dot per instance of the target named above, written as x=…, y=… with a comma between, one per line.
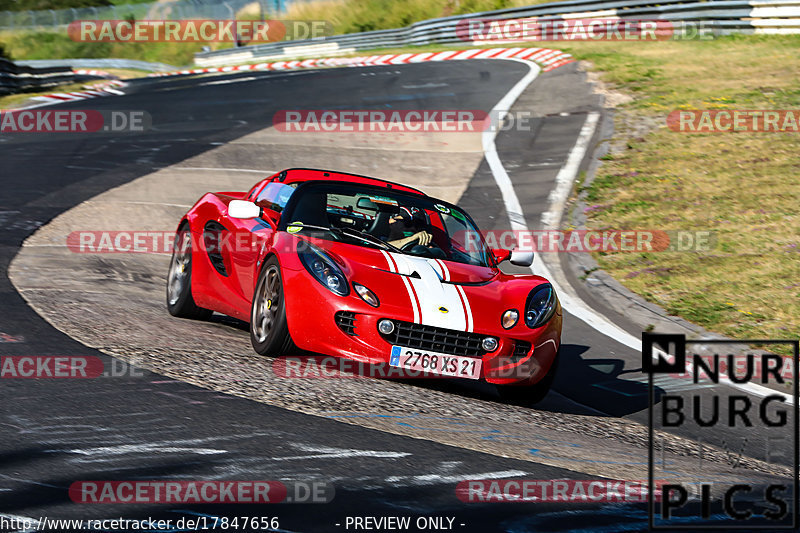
x=370, y=270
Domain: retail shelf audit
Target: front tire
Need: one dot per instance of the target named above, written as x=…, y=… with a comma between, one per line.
x=179, y=280
x=269, y=330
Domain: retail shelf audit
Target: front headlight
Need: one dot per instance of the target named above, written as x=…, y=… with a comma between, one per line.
x=324, y=269
x=540, y=306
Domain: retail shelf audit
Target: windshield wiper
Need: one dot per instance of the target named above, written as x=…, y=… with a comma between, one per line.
x=350, y=233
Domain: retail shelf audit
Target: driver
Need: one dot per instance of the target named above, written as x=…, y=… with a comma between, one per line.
x=405, y=228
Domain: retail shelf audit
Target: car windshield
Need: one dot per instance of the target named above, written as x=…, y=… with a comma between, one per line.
x=384, y=218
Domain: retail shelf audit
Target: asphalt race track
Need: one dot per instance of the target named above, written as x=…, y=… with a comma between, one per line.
x=212, y=409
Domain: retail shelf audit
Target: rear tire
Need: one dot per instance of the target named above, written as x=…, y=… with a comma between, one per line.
x=269, y=330
x=179, y=280
x=529, y=394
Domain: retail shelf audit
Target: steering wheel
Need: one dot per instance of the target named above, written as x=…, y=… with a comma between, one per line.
x=409, y=245
x=428, y=250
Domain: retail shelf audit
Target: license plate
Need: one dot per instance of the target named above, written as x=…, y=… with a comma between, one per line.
x=442, y=364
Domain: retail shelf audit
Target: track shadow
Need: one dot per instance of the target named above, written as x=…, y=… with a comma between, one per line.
x=601, y=384
x=54, y=491
x=594, y=387
x=436, y=505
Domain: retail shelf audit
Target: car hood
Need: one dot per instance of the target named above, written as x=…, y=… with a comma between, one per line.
x=433, y=292
x=435, y=289
x=356, y=258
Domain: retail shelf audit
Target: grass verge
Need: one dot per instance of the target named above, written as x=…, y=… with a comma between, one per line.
x=350, y=16
x=57, y=45
x=740, y=186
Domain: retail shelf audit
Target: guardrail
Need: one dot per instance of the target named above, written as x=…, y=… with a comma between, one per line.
x=97, y=63
x=17, y=78
x=718, y=17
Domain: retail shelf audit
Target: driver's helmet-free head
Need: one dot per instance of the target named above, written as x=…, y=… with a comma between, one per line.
x=413, y=217
x=408, y=221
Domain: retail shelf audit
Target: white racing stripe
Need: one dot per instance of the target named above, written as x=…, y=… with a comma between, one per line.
x=467, y=308
x=439, y=304
x=445, y=270
x=411, y=296
x=389, y=261
x=570, y=300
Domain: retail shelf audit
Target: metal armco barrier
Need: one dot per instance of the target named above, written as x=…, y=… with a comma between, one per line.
x=724, y=17
x=97, y=63
x=17, y=78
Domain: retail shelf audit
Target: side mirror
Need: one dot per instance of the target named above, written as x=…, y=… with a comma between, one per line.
x=523, y=259
x=243, y=209
x=500, y=255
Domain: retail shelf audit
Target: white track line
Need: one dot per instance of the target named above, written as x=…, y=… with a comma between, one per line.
x=224, y=169
x=570, y=300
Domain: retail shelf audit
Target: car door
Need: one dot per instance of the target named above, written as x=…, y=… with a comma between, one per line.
x=252, y=234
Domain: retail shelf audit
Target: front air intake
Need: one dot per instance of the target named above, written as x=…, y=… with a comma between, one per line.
x=346, y=320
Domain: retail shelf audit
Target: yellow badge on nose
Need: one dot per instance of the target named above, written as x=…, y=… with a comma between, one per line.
x=443, y=310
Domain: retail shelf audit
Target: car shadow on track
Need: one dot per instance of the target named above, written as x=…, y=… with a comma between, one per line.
x=593, y=387
x=225, y=320
x=602, y=385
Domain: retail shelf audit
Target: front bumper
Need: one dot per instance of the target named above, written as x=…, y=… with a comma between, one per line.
x=523, y=356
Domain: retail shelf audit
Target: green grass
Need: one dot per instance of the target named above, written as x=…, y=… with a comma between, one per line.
x=350, y=16
x=740, y=186
x=57, y=45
